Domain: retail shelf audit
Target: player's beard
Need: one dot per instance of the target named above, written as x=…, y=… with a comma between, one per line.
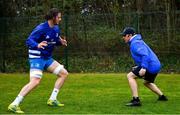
x=55, y=22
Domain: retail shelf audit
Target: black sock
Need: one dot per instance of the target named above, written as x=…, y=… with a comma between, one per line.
x=136, y=98
x=161, y=96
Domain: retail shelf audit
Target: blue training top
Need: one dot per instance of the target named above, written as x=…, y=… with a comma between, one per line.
x=143, y=55
x=43, y=32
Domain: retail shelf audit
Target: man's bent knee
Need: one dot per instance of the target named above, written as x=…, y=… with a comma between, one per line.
x=63, y=73
x=131, y=75
x=35, y=81
x=58, y=69
x=146, y=83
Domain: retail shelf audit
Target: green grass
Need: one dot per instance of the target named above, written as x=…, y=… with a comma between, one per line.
x=91, y=94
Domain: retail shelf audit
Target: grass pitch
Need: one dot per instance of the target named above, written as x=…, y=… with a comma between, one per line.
x=91, y=94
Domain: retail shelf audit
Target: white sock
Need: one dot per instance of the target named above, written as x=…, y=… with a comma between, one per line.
x=54, y=94
x=18, y=100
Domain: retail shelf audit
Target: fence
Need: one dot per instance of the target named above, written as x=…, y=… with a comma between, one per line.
x=94, y=44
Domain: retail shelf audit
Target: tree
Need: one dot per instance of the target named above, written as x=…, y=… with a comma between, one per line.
x=170, y=14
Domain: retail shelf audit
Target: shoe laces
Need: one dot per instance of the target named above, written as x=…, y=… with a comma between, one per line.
x=56, y=102
x=133, y=100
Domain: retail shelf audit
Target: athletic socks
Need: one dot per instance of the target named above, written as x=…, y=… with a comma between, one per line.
x=54, y=94
x=18, y=100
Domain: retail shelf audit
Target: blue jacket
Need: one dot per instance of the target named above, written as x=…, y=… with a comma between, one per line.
x=143, y=55
x=43, y=33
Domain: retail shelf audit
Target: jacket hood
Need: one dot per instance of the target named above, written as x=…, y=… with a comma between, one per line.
x=135, y=37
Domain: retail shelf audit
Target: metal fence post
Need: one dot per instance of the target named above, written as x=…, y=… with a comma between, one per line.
x=66, y=34
x=3, y=46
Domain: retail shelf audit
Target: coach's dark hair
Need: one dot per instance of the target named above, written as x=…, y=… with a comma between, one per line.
x=52, y=13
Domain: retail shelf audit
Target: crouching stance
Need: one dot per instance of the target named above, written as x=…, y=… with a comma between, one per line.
x=41, y=43
x=148, y=66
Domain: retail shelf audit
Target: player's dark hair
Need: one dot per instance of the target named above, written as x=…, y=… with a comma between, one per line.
x=52, y=13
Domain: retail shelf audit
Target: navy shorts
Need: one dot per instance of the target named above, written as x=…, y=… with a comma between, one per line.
x=148, y=76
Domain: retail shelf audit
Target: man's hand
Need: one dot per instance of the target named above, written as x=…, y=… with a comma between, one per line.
x=142, y=72
x=42, y=44
x=63, y=41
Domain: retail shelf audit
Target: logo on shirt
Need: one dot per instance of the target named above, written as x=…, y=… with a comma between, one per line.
x=57, y=34
x=47, y=37
x=37, y=65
